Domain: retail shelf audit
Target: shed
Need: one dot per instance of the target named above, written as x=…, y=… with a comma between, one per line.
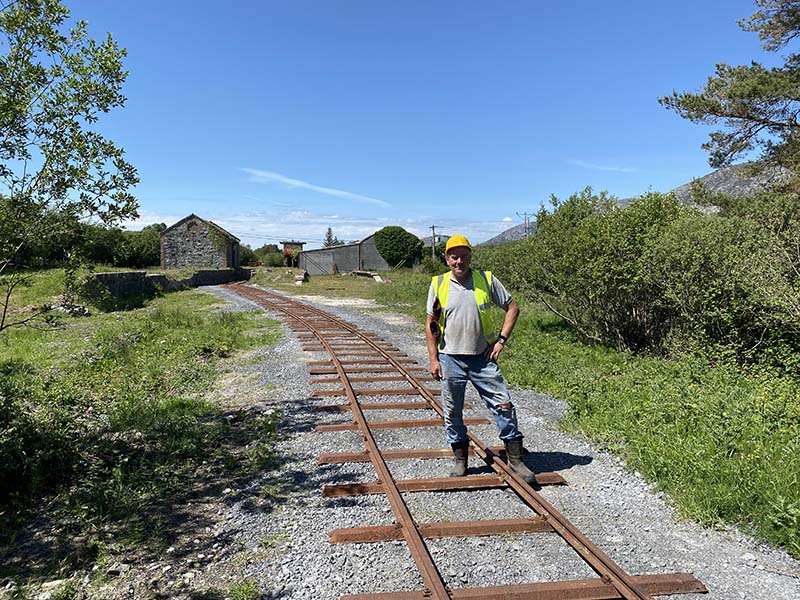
x=358, y=256
x=195, y=242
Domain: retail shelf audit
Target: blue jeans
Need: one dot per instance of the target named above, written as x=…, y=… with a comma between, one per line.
x=487, y=379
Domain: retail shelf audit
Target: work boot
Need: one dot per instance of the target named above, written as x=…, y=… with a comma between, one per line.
x=514, y=458
x=460, y=453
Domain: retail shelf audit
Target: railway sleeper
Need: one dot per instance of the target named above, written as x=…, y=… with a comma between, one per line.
x=389, y=533
x=434, y=484
x=571, y=589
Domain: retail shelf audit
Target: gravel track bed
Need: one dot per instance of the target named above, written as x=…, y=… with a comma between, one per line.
x=615, y=508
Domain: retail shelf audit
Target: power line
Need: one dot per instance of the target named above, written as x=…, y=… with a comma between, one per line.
x=525, y=216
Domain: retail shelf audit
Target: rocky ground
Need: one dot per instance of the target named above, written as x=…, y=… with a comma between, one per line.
x=268, y=537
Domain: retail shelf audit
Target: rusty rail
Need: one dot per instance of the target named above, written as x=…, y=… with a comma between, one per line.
x=320, y=331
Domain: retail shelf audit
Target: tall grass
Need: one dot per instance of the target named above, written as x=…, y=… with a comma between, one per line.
x=724, y=444
x=108, y=414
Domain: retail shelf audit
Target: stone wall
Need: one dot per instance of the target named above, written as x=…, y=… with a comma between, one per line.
x=194, y=242
x=133, y=283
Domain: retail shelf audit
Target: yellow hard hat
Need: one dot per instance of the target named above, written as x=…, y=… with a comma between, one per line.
x=456, y=241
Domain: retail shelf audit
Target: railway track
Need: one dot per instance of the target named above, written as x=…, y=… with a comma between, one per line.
x=361, y=365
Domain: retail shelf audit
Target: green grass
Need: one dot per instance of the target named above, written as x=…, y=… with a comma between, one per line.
x=107, y=417
x=402, y=290
x=723, y=443
x=246, y=589
x=44, y=287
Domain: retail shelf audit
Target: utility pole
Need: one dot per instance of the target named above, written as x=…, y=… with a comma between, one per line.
x=525, y=217
x=433, y=242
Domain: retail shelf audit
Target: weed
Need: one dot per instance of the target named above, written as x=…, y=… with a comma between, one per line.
x=261, y=453
x=246, y=589
x=273, y=540
x=271, y=492
x=68, y=591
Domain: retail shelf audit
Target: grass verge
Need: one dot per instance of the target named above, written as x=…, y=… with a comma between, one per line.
x=105, y=421
x=723, y=444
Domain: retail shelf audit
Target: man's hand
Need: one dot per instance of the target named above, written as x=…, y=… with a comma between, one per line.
x=436, y=369
x=432, y=343
x=493, y=352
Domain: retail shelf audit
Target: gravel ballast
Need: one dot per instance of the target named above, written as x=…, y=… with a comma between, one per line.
x=287, y=551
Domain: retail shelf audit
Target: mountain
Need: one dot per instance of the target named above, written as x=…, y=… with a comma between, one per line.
x=517, y=232
x=734, y=181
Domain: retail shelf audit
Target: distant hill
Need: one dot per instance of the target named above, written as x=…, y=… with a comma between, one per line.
x=733, y=181
x=517, y=232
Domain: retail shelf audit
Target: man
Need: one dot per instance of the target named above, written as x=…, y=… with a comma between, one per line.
x=463, y=346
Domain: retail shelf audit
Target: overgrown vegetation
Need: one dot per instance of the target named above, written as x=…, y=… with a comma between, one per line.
x=106, y=421
x=398, y=247
x=693, y=324
x=723, y=443
x=661, y=277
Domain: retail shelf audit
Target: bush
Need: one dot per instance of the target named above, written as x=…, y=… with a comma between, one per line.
x=659, y=276
x=398, y=247
x=247, y=257
x=721, y=286
x=432, y=266
x=272, y=259
x=585, y=263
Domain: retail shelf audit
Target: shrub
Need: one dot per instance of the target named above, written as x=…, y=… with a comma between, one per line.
x=721, y=286
x=272, y=259
x=247, y=258
x=431, y=265
x=585, y=263
x=659, y=276
x=397, y=246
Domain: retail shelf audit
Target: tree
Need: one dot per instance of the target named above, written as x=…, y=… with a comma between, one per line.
x=143, y=248
x=247, y=257
x=56, y=169
x=267, y=249
x=398, y=247
x=757, y=106
x=331, y=240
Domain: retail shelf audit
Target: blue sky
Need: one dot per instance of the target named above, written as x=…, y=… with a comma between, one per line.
x=280, y=118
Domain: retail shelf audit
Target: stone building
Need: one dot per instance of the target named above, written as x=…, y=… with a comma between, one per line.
x=360, y=256
x=195, y=242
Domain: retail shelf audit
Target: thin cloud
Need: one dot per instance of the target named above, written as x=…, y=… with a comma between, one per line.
x=594, y=167
x=258, y=228
x=275, y=202
x=259, y=176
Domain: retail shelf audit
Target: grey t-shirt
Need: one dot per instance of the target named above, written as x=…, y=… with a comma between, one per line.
x=463, y=333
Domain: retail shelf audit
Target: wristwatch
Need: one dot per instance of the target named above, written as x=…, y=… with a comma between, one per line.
x=502, y=339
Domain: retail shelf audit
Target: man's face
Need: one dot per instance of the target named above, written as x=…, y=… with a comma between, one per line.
x=458, y=260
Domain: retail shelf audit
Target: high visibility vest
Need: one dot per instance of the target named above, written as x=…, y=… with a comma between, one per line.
x=482, y=284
